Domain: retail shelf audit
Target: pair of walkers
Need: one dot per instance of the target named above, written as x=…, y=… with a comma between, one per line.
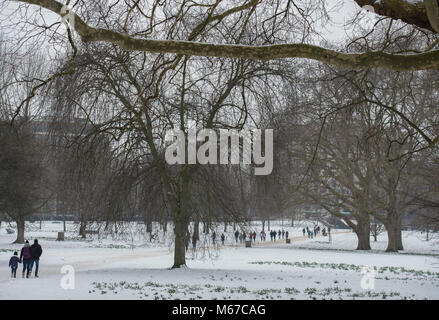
x=29, y=256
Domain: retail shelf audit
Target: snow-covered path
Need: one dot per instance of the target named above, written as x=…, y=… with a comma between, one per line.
x=304, y=269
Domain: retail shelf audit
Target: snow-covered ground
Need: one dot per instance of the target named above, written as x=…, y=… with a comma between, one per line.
x=131, y=267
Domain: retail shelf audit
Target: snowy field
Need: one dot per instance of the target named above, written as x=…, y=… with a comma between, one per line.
x=130, y=267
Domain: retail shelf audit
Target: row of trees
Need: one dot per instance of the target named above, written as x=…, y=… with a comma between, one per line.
x=353, y=142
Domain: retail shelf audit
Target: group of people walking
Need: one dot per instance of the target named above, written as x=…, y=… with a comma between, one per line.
x=279, y=234
x=29, y=256
x=316, y=230
x=241, y=237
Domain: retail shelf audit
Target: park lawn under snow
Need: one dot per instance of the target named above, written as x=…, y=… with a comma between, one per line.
x=132, y=268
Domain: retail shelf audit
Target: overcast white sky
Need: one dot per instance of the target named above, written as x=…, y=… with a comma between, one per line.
x=334, y=32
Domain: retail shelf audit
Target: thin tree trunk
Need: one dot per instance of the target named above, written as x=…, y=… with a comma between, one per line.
x=82, y=228
x=374, y=232
x=196, y=234
x=399, y=238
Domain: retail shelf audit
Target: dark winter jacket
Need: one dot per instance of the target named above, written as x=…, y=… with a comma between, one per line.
x=25, y=253
x=14, y=261
x=36, y=251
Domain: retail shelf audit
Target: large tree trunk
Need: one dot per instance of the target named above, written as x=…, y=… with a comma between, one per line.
x=181, y=221
x=20, y=231
x=392, y=244
x=180, y=231
x=394, y=234
x=363, y=234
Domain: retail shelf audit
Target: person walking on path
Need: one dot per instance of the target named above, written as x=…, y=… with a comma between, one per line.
x=222, y=238
x=286, y=235
x=25, y=257
x=35, y=251
x=236, y=236
x=303, y=231
x=213, y=237
x=13, y=264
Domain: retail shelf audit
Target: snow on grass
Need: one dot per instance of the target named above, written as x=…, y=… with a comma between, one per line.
x=130, y=267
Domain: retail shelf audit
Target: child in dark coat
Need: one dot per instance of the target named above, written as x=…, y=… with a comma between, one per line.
x=13, y=264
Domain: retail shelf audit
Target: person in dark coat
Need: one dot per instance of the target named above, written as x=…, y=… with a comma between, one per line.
x=223, y=237
x=26, y=258
x=236, y=236
x=303, y=231
x=35, y=252
x=213, y=237
x=286, y=234
x=13, y=264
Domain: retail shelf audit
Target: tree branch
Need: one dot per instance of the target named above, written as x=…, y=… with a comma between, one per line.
x=396, y=62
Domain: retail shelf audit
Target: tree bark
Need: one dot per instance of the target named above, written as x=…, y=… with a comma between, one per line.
x=82, y=228
x=363, y=233
x=180, y=230
x=196, y=234
x=20, y=231
x=394, y=234
x=181, y=220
